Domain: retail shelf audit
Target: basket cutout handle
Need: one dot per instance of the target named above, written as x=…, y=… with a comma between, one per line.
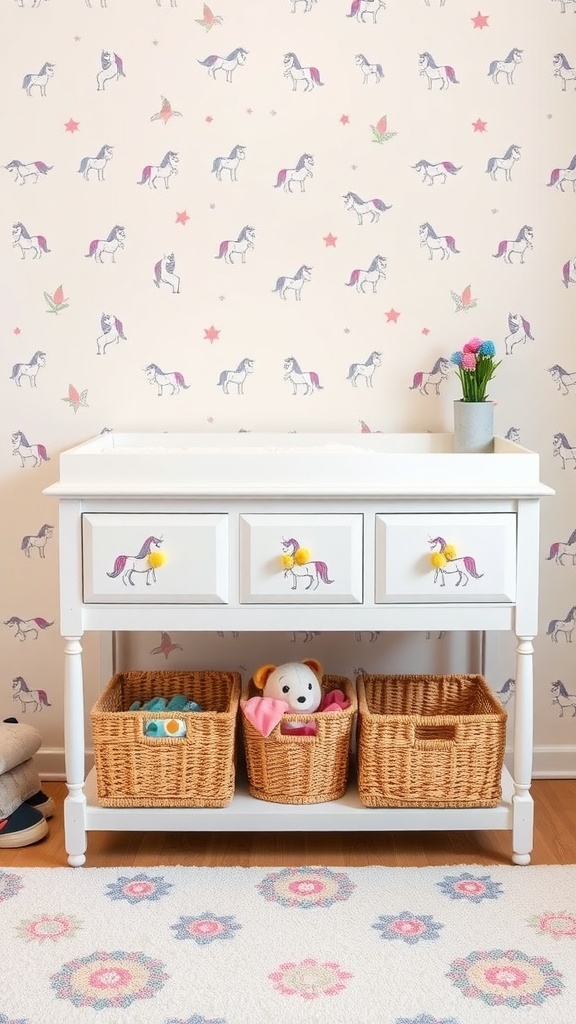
x=434, y=735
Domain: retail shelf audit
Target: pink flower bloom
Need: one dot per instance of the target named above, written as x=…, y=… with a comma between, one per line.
x=473, y=345
x=468, y=361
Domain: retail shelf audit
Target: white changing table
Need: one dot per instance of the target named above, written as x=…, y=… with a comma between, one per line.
x=370, y=508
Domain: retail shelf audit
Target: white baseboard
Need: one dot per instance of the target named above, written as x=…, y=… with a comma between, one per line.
x=557, y=762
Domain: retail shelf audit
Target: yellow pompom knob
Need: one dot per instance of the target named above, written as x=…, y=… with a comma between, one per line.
x=438, y=560
x=450, y=552
x=156, y=559
x=286, y=561
x=302, y=556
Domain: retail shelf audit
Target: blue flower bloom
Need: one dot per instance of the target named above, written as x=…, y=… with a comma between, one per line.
x=408, y=927
x=138, y=888
x=205, y=928
x=487, y=348
x=473, y=888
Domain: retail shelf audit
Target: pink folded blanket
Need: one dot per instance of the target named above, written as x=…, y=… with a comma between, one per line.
x=264, y=713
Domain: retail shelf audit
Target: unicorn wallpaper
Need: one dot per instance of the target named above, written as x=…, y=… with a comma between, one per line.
x=283, y=215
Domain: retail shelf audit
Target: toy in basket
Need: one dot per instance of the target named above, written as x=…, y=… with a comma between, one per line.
x=297, y=725
x=194, y=767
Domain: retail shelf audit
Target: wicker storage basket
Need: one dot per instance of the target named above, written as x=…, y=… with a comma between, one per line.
x=429, y=741
x=286, y=769
x=195, y=770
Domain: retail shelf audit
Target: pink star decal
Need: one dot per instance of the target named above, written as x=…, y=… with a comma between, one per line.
x=209, y=119
x=479, y=125
x=330, y=240
x=346, y=330
x=249, y=110
x=211, y=334
x=17, y=330
x=344, y=119
x=480, y=21
x=72, y=125
x=392, y=316
x=425, y=331
x=182, y=217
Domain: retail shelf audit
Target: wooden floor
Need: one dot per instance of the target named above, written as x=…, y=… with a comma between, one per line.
x=554, y=843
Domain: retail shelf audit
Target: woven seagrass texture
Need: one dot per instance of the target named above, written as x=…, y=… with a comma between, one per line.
x=195, y=770
x=288, y=769
x=429, y=741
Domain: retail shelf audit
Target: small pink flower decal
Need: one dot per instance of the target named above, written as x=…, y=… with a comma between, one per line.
x=310, y=979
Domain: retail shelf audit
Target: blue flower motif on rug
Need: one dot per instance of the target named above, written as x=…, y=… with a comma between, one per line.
x=137, y=888
x=506, y=978
x=10, y=885
x=306, y=887
x=205, y=928
x=408, y=927
x=558, y=924
x=425, y=1018
x=7, y=1020
x=109, y=979
x=473, y=888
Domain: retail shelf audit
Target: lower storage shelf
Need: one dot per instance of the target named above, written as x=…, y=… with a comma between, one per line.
x=245, y=814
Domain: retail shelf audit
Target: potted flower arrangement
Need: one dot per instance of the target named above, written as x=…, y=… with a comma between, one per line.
x=473, y=413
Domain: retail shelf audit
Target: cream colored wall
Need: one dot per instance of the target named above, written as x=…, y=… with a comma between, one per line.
x=365, y=137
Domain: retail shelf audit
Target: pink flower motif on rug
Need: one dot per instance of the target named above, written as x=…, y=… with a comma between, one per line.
x=138, y=888
x=506, y=978
x=310, y=979
x=408, y=927
x=466, y=886
x=205, y=928
x=51, y=927
x=10, y=885
x=109, y=979
x=558, y=924
x=306, y=887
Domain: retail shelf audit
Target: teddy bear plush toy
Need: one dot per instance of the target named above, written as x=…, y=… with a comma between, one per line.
x=288, y=689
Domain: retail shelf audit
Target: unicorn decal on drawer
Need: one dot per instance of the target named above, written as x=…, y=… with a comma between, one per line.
x=148, y=559
x=298, y=564
x=447, y=562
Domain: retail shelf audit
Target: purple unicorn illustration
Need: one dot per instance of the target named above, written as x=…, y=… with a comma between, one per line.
x=24, y=171
x=561, y=549
x=371, y=73
x=165, y=273
x=518, y=246
x=27, y=628
x=562, y=698
x=28, y=370
x=237, y=376
x=444, y=74
x=520, y=332
x=293, y=284
x=173, y=380
x=96, y=163
x=227, y=64
x=303, y=170
x=565, y=626
x=22, y=692
x=505, y=67
x=434, y=378
x=432, y=174
x=463, y=567
x=229, y=163
x=314, y=572
x=24, y=450
x=40, y=80
x=99, y=247
x=294, y=70
x=35, y=244
x=361, y=8
x=365, y=207
x=237, y=247
x=444, y=244
x=112, y=333
x=561, y=447
x=163, y=172
x=503, y=163
x=563, y=70
x=112, y=69
x=372, y=276
x=37, y=541
x=126, y=565
x=562, y=377
x=365, y=370
x=562, y=174
x=308, y=380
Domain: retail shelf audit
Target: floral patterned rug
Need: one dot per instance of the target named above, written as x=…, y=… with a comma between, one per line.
x=171, y=945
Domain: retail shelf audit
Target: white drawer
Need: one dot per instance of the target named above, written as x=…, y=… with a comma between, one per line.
x=117, y=570
x=483, y=566
x=331, y=549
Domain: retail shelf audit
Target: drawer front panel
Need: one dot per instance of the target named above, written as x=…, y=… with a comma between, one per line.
x=481, y=562
x=301, y=559
x=119, y=552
